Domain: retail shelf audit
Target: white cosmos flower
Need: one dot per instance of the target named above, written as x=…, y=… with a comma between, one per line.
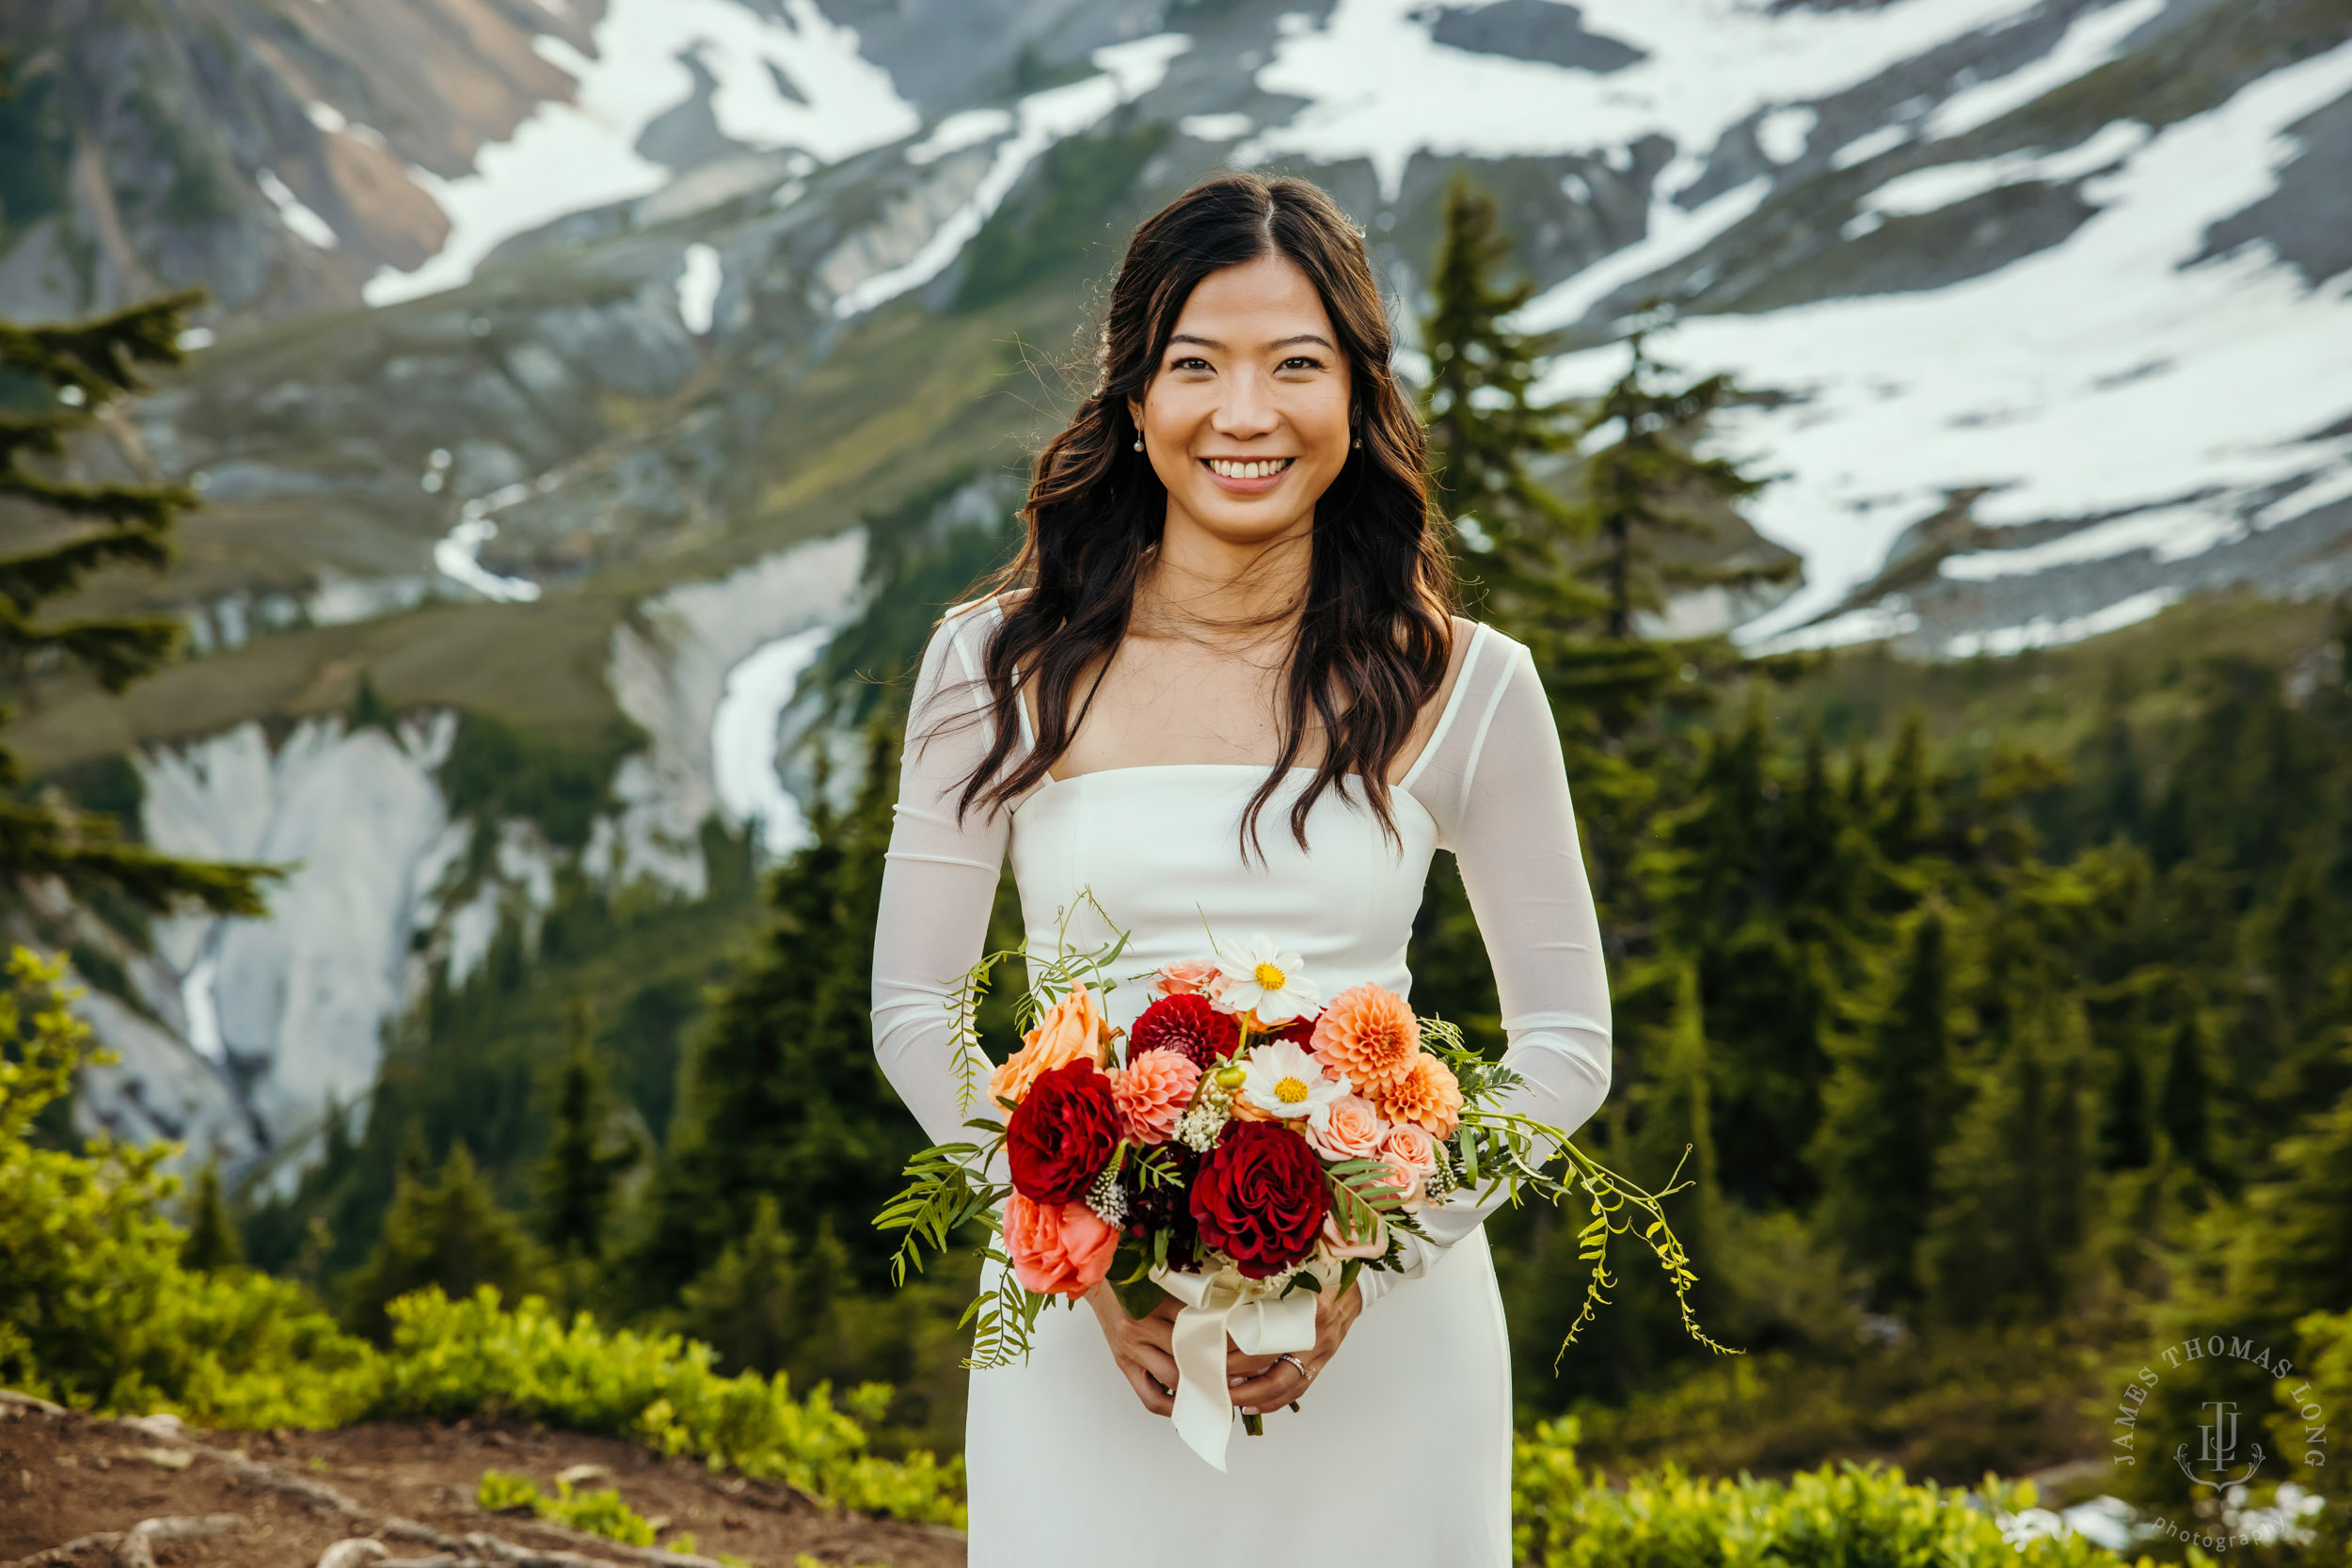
x=1284, y=1080
x=1266, y=982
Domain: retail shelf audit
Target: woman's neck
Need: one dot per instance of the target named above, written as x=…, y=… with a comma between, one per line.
x=1199, y=585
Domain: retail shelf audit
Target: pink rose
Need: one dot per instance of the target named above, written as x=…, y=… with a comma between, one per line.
x=1185, y=977
x=1412, y=1153
x=1412, y=1149
x=1152, y=1092
x=1353, y=1132
x=1062, y=1249
x=1373, y=1245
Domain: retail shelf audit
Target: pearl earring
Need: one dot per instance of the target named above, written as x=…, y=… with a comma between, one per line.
x=1139, y=443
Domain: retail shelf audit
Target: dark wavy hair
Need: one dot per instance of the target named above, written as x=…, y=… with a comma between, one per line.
x=1374, y=632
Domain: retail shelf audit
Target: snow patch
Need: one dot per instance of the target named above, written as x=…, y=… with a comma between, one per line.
x=1929, y=190
x=2044, y=632
x=2093, y=40
x=1784, y=134
x=567, y=157
x=1709, y=65
x=698, y=287
x=2102, y=375
x=1673, y=233
x=1128, y=70
x=745, y=733
x=300, y=221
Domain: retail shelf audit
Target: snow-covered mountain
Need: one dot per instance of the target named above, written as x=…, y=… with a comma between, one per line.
x=540, y=323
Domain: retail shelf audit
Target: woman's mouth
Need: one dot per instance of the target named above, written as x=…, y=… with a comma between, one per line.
x=1247, y=476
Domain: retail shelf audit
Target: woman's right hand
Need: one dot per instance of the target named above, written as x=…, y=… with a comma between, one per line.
x=1144, y=1347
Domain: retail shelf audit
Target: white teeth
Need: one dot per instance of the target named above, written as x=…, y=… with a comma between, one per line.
x=1230, y=468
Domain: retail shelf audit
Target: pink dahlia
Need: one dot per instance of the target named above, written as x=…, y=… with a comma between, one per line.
x=1152, y=1091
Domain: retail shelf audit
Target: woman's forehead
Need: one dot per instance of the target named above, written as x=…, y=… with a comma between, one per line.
x=1256, y=305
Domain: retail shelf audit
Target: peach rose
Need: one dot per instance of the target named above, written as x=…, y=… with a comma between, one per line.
x=1352, y=1132
x=1428, y=1094
x=1185, y=977
x=1062, y=1249
x=1373, y=1245
x=1412, y=1149
x=1070, y=1028
x=1152, y=1092
x=1369, y=1034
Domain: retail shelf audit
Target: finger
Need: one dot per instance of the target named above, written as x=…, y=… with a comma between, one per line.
x=1275, y=1389
x=1154, y=1396
x=1161, y=1366
x=1240, y=1366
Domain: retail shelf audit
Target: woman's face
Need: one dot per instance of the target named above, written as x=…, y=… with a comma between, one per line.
x=1246, y=418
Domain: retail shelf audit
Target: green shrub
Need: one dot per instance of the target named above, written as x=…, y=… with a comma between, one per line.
x=472, y=1357
x=95, y=1310
x=1840, y=1517
x=504, y=1492
x=601, y=1512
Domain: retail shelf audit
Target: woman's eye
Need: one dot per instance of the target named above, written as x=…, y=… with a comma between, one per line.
x=1302, y=362
x=1189, y=362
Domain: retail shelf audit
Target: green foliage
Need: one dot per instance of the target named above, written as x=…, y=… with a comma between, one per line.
x=501, y=1491
x=498, y=771
x=1832, y=1517
x=449, y=1233
x=1062, y=211
x=576, y=1176
x=785, y=1097
x=450, y=1358
x=212, y=1240
x=96, y=1309
x=75, y=368
x=1484, y=432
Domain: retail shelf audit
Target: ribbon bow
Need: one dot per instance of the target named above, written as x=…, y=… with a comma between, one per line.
x=1227, y=1304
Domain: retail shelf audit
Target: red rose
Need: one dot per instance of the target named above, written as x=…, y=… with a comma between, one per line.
x=1259, y=1198
x=1061, y=1134
x=1189, y=1027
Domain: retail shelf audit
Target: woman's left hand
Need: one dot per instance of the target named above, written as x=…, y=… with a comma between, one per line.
x=1268, y=1383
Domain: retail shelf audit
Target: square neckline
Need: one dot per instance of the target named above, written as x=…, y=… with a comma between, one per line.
x=1479, y=631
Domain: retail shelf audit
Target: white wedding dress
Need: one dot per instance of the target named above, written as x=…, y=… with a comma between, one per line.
x=1400, y=1455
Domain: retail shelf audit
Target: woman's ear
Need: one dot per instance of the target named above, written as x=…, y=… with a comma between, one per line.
x=1134, y=412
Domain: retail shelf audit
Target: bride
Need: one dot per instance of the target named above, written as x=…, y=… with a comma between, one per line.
x=1223, y=682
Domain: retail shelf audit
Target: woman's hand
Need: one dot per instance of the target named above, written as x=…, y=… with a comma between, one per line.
x=1144, y=1347
x=1268, y=1381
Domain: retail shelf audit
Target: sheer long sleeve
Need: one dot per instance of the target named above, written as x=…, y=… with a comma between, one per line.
x=1498, y=787
x=939, y=883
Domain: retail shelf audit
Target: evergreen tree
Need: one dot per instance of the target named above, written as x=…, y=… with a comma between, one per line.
x=2127, y=1138
x=1889, y=1116
x=2184, y=1098
x=768, y=1305
x=1483, y=429
x=575, y=1178
x=212, y=1240
x=784, y=1097
x=448, y=1231
x=1647, y=487
x=73, y=373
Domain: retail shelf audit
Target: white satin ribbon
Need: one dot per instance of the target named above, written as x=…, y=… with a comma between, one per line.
x=1224, y=1305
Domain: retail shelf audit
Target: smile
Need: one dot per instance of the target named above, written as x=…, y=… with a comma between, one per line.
x=1228, y=467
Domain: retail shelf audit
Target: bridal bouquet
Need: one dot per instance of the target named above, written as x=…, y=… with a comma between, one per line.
x=1246, y=1146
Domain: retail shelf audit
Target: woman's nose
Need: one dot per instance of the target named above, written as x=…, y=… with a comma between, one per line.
x=1247, y=409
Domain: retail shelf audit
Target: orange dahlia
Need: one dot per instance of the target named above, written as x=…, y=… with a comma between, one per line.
x=1428, y=1097
x=1369, y=1034
x=1152, y=1091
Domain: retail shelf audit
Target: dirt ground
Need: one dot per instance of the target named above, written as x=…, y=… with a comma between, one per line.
x=150, y=1494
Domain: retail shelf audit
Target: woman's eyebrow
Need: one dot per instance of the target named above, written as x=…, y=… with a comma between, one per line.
x=1175, y=338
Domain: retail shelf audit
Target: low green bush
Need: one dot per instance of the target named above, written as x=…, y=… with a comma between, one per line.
x=1839, y=1516
x=98, y=1313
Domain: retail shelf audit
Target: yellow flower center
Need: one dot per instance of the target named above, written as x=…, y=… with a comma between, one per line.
x=1269, y=977
x=1291, y=1091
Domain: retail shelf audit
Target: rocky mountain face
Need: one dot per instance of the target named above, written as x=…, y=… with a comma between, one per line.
x=558, y=350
